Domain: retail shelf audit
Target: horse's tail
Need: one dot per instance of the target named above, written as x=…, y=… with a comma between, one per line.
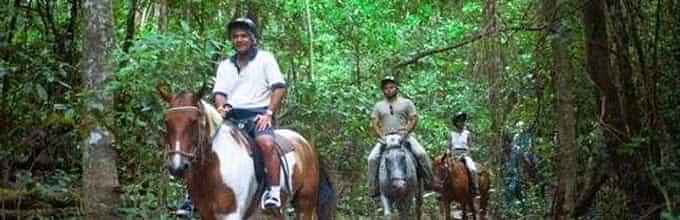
x=325, y=209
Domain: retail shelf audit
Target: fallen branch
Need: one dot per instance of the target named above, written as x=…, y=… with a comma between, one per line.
x=473, y=37
x=18, y=199
x=426, y=53
x=51, y=212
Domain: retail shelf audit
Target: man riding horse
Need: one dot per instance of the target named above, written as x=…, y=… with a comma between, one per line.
x=395, y=114
x=225, y=179
x=249, y=87
x=460, y=139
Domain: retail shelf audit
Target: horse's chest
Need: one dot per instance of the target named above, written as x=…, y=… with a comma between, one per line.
x=208, y=190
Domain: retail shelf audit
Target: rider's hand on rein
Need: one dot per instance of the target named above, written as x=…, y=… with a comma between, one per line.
x=223, y=110
x=404, y=136
x=263, y=121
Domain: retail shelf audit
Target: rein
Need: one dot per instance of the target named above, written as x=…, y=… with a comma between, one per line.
x=447, y=168
x=201, y=131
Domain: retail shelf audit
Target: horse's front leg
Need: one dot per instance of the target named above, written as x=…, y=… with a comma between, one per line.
x=405, y=211
x=387, y=209
x=474, y=211
x=464, y=211
x=445, y=208
x=471, y=204
x=278, y=214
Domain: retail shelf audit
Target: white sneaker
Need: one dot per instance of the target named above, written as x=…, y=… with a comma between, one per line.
x=183, y=213
x=185, y=209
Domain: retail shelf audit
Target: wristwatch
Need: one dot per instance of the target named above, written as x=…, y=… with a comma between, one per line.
x=269, y=112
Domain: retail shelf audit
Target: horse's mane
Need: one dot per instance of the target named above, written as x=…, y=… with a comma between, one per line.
x=214, y=117
x=215, y=120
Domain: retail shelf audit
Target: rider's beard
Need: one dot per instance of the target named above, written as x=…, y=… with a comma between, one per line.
x=390, y=96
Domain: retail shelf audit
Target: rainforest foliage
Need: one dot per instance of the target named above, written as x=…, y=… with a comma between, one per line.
x=574, y=104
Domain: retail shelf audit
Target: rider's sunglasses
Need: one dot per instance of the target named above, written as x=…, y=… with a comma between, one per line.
x=391, y=110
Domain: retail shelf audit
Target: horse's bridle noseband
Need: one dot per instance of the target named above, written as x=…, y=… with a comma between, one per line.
x=191, y=155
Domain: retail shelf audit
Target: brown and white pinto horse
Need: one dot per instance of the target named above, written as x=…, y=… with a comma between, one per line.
x=214, y=158
x=452, y=182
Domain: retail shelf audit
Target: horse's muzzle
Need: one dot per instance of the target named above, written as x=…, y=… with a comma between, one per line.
x=399, y=186
x=178, y=170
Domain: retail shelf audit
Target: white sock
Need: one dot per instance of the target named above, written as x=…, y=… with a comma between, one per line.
x=275, y=191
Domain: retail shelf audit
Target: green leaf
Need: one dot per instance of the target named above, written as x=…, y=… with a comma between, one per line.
x=41, y=92
x=3, y=71
x=59, y=106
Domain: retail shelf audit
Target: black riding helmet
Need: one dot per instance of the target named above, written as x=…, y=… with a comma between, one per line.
x=386, y=80
x=243, y=23
x=459, y=116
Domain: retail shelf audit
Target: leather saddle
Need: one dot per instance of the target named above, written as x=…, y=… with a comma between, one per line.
x=282, y=144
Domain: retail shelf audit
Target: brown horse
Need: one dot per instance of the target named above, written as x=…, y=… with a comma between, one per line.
x=214, y=158
x=452, y=182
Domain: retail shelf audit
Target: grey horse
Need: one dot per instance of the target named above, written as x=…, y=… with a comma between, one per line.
x=398, y=179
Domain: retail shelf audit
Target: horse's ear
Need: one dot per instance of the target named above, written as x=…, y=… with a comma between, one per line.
x=201, y=92
x=162, y=89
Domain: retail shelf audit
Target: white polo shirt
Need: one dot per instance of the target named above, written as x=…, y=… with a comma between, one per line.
x=252, y=86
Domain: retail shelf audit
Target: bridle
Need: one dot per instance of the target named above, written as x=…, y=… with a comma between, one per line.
x=191, y=155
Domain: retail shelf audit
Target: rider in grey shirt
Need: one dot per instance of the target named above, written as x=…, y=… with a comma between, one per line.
x=395, y=114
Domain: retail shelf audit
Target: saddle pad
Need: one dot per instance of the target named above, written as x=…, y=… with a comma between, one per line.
x=284, y=144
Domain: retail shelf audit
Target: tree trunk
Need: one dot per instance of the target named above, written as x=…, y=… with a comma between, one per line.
x=491, y=66
x=597, y=66
x=71, y=33
x=130, y=26
x=188, y=13
x=310, y=31
x=5, y=55
x=163, y=16
x=563, y=76
x=100, y=178
x=233, y=10
x=623, y=61
x=630, y=167
x=12, y=23
x=253, y=12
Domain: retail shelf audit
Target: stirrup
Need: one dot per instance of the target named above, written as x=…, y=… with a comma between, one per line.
x=270, y=202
